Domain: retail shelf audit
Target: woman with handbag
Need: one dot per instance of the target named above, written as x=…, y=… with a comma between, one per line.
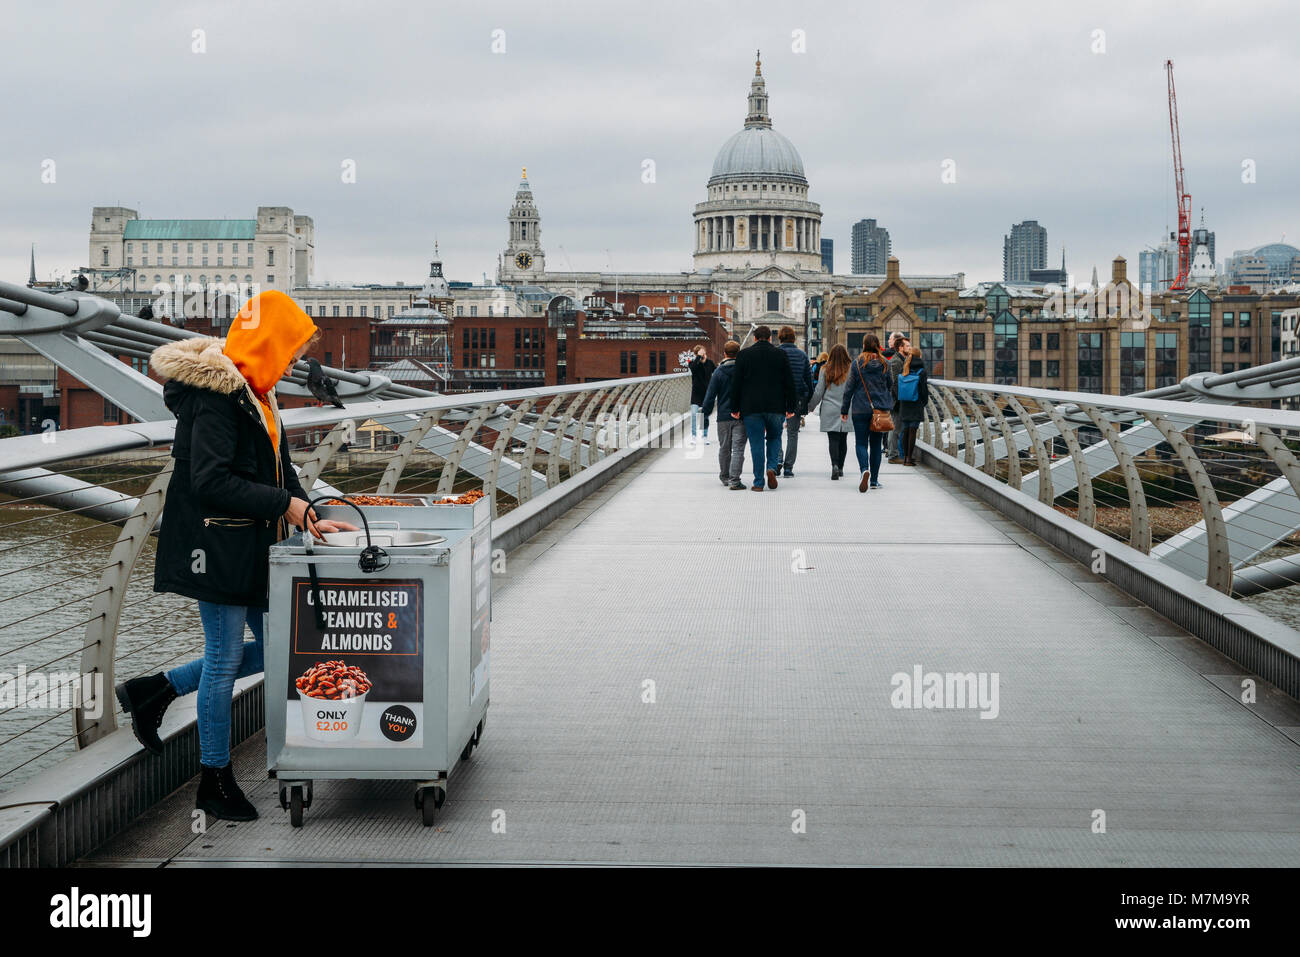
x=870, y=396
x=913, y=394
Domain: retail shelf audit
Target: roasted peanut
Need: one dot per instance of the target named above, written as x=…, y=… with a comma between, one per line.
x=334, y=680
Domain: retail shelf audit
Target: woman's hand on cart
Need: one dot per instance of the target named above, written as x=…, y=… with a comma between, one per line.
x=324, y=526
x=301, y=515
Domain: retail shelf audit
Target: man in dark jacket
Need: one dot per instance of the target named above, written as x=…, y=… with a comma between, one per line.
x=701, y=368
x=731, y=433
x=801, y=371
x=762, y=396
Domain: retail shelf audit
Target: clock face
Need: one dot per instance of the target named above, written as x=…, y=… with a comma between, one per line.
x=523, y=261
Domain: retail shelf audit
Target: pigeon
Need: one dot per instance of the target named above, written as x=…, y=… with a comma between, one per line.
x=321, y=385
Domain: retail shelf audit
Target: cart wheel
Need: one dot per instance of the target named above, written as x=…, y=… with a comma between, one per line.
x=308, y=796
x=427, y=809
x=439, y=796
x=284, y=799
x=295, y=806
x=478, y=732
x=469, y=750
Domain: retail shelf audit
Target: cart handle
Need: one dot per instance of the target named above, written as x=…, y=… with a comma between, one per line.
x=372, y=558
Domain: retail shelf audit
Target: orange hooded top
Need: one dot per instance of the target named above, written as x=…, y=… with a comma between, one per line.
x=261, y=342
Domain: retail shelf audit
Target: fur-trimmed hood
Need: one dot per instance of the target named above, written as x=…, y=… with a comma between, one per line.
x=198, y=362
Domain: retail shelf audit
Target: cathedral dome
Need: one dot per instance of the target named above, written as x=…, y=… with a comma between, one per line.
x=757, y=151
x=757, y=206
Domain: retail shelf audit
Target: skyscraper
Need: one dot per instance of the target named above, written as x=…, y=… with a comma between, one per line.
x=1157, y=267
x=871, y=248
x=1023, y=250
x=828, y=255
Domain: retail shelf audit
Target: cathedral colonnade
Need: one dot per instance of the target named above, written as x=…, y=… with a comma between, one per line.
x=763, y=231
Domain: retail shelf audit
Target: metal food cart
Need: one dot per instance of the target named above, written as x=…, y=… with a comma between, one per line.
x=377, y=648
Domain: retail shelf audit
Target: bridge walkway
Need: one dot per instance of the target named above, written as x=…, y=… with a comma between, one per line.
x=668, y=686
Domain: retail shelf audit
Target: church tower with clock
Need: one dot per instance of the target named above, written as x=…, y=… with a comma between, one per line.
x=523, y=259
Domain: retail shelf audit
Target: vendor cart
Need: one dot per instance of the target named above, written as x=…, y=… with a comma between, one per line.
x=377, y=648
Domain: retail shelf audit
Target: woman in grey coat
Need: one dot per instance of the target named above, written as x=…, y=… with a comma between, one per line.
x=831, y=383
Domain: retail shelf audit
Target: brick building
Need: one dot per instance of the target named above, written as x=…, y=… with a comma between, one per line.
x=612, y=335
x=642, y=333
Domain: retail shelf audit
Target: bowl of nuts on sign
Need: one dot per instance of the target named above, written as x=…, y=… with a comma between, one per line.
x=333, y=697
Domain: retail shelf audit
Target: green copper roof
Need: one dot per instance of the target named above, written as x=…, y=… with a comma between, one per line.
x=190, y=229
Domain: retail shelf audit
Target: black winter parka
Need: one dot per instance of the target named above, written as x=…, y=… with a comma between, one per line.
x=226, y=502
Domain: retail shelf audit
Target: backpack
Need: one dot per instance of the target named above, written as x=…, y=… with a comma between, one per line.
x=909, y=387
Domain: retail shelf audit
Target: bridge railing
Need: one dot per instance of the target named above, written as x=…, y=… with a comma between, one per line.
x=1208, y=488
x=77, y=508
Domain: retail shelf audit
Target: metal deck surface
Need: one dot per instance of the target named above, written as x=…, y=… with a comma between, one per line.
x=772, y=698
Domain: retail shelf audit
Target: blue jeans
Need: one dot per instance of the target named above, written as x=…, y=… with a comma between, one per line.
x=867, y=445
x=764, y=428
x=695, y=417
x=226, y=656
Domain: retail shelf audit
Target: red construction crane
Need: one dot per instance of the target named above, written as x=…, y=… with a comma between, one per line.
x=1183, y=197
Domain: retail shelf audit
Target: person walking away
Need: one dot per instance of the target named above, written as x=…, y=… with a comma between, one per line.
x=829, y=394
x=894, y=442
x=731, y=433
x=233, y=493
x=870, y=398
x=803, y=386
x=913, y=396
x=817, y=365
x=701, y=367
x=762, y=395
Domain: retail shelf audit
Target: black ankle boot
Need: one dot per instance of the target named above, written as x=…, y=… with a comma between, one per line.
x=220, y=796
x=146, y=699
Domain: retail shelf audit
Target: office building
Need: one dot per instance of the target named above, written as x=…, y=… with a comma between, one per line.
x=1273, y=264
x=274, y=250
x=871, y=248
x=1023, y=250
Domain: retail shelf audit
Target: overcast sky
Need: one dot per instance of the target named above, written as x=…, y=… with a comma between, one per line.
x=1038, y=124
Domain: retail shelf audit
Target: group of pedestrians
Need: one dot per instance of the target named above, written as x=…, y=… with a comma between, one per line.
x=764, y=391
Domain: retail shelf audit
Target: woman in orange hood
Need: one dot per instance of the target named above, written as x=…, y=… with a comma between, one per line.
x=233, y=493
